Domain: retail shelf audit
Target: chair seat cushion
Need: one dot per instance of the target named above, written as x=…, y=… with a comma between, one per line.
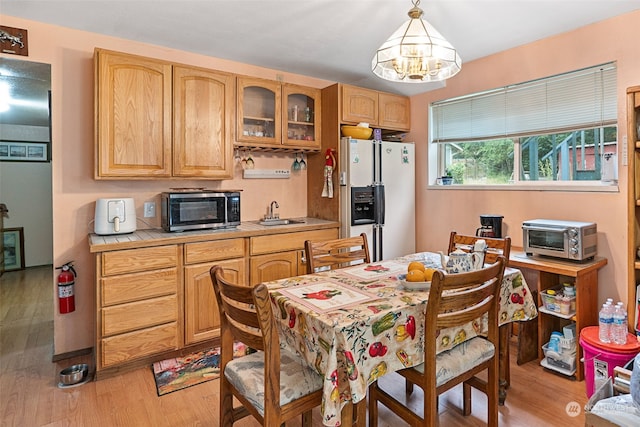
x=460, y=359
x=296, y=379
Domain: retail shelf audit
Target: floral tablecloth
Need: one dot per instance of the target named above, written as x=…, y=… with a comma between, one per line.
x=358, y=323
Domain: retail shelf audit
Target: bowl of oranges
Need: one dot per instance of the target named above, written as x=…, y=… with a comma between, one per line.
x=418, y=277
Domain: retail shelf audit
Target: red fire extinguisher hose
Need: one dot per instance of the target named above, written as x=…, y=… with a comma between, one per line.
x=66, y=281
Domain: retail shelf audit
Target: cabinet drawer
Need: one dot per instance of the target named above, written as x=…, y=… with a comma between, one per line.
x=132, y=260
x=140, y=314
x=137, y=286
x=134, y=345
x=214, y=250
x=288, y=241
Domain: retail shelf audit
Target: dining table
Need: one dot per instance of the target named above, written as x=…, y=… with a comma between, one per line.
x=358, y=323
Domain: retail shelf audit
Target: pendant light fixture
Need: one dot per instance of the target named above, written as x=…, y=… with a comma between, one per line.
x=416, y=53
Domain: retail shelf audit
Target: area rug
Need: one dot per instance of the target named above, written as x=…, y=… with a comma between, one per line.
x=182, y=372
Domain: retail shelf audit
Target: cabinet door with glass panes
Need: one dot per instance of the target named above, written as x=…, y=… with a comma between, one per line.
x=259, y=111
x=301, y=116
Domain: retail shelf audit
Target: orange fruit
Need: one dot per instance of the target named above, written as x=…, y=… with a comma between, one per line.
x=428, y=274
x=415, y=265
x=415, y=276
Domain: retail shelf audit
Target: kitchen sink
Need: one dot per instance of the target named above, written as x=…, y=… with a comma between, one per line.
x=279, y=221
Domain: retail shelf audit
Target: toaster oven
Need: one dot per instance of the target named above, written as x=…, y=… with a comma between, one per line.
x=572, y=240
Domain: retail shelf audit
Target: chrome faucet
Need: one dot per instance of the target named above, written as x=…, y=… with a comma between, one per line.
x=271, y=210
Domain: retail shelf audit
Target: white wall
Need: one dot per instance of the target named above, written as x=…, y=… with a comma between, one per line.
x=25, y=188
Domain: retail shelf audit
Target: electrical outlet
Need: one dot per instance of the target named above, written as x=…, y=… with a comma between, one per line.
x=149, y=209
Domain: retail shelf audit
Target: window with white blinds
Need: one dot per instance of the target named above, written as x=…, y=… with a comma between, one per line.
x=577, y=100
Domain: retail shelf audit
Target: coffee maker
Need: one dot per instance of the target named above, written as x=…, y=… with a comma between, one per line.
x=491, y=226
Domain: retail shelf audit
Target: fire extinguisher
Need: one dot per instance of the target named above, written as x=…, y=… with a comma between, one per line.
x=66, y=298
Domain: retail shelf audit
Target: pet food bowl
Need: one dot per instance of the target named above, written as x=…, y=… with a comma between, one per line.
x=74, y=374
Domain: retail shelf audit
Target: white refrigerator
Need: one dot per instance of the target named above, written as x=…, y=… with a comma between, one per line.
x=377, y=195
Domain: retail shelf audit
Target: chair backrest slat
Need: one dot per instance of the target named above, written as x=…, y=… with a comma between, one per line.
x=456, y=299
x=246, y=320
x=495, y=246
x=337, y=253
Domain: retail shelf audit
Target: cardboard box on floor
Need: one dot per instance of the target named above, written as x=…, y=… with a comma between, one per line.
x=605, y=391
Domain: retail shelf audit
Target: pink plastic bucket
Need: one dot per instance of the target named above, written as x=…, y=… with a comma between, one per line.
x=600, y=359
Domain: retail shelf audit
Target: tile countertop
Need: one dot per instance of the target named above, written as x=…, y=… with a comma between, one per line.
x=157, y=236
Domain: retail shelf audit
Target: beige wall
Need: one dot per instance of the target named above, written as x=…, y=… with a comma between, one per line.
x=70, y=54
x=441, y=211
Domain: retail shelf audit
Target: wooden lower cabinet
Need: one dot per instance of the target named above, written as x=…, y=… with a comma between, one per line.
x=156, y=302
x=123, y=348
x=202, y=321
x=281, y=257
x=276, y=266
x=138, y=304
x=201, y=318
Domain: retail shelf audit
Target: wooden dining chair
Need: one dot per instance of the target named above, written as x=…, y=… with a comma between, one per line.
x=272, y=384
x=495, y=246
x=454, y=299
x=337, y=253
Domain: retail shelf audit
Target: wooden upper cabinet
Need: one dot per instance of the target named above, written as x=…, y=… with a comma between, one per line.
x=133, y=113
x=379, y=109
x=301, y=116
x=203, y=103
x=160, y=120
x=259, y=111
x=359, y=105
x=394, y=111
x=271, y=114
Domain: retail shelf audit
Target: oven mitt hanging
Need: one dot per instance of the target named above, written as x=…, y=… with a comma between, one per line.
x=327, y=191
x=330, y=162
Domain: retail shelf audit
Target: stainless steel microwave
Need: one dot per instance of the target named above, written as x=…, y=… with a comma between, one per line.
x=199, y=209
x=570, y=240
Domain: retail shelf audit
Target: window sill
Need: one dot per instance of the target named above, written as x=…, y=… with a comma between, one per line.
x=574, y=187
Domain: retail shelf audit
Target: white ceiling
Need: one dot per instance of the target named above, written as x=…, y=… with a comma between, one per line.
x=328, y=39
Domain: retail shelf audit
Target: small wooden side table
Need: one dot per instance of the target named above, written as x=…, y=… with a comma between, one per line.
x=543, y=273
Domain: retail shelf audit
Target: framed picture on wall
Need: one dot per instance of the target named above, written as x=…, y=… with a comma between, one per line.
x=21, y=151
x=13, y=248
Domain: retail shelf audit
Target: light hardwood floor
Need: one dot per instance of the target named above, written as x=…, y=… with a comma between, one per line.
x=29, y=395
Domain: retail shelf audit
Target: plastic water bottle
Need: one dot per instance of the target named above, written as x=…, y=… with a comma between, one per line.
x=619, y=326
x=605, y=319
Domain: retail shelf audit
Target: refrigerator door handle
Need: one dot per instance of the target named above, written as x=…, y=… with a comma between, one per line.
x=378, y=194
x=377, y=243
x=377, y=162
x=381, y=245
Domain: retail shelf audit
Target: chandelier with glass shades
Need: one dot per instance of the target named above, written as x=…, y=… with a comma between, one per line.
x=416, y=53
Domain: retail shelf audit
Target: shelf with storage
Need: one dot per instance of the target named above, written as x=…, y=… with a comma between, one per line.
x=543, y=273
x=633, y=137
